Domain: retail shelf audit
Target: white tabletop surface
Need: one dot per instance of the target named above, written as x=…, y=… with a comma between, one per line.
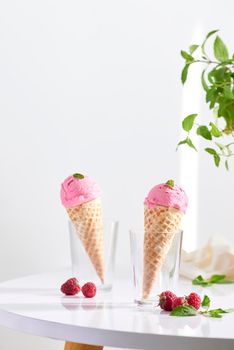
x=35, y=305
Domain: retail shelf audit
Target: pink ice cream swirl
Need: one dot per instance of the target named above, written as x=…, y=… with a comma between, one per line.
x=78, y=189
x=167, y=196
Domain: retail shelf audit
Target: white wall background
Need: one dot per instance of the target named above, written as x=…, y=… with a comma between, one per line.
x=94, y=86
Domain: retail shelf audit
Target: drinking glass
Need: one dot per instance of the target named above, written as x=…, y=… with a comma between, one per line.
x=82, y=267
x=167, y=277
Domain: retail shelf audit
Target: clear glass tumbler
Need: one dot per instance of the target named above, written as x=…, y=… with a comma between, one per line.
x=82, y=267
x=167, y=277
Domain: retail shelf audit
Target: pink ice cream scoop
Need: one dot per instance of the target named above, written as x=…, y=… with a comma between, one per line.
x=78, y=189
x=167, y=195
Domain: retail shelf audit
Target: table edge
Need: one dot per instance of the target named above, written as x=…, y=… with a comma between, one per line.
x=81, y=334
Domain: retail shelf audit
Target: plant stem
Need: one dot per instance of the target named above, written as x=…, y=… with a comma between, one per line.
x=232, y=143
x=225, y=155
x=207, y=62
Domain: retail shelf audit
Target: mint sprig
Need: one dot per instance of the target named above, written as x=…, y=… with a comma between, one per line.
x=78, y=176
x=214, y=279
x=215, y=313
x=188, y=310
x=184, y=310
x=170, y=183
x=206, y=302
x=200, y=281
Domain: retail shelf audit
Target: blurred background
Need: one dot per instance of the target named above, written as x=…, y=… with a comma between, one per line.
x=94, y=87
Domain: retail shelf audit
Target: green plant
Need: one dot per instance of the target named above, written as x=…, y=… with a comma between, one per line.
x=217, y=80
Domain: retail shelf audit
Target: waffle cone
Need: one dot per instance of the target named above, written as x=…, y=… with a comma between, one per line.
x=87, y=220
x=161, y=224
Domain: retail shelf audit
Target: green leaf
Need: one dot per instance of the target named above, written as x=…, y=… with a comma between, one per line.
x=78, y=176
x=221, y=311
x=226, y=165
x=206, y=302
x=203, y=81
x=181, y=143
x=204, y=42
x=211, y=33
x=216, y=159
x=220, y=50
x=216, y=278
x=170, y=183
x=188, y=122
x=218, y=75
x=204, y=132
x=210, y=150
x=184, y=73
x=228, y=92
x=225, y=281
x=184, y=310
x=187, y=56
x=215, y=131
x=199, y=280
x=193, y=48
x=216, y=313
x=190, y=144
x=211, y=96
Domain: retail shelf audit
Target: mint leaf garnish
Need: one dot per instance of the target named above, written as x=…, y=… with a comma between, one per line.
x=206, y=302
x=200, y=281
x=216, y=313
x=170, y=183
x=184, y=310
x=221, y=311
x=188, y=310
x=214, y=279
x=213, y=313
x=78, y=176
x=225, y=281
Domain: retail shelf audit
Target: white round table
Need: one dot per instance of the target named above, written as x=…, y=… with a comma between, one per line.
x=35, y=305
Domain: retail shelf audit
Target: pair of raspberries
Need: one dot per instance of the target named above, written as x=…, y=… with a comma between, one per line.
x=168, y=301
x=72, y=287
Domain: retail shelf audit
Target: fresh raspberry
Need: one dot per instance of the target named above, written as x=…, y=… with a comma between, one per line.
x=89, y=290
x=70, y=287
x=194, y=300
x=166, y=300
x=178, y=302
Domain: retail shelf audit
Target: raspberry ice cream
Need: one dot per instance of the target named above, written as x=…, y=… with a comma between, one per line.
x=78, y=189
x=167, y=196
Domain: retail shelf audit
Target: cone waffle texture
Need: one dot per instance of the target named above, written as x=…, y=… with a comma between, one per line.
x=161, y=224
x=87, y=220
